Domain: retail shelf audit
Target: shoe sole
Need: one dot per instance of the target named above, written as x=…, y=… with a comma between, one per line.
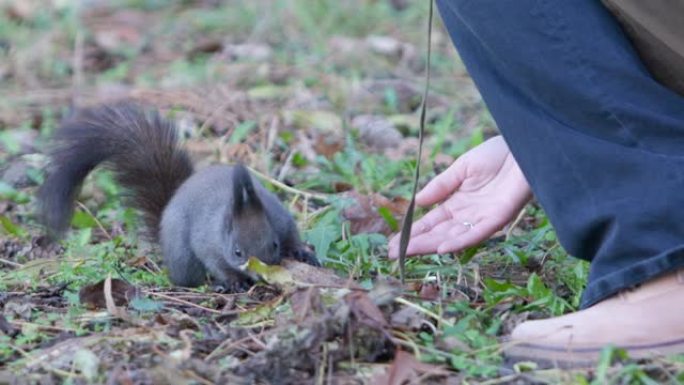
x=567, y=358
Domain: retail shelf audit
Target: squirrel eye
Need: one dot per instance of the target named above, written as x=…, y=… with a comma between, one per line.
x=238, y=253
x=275, y=245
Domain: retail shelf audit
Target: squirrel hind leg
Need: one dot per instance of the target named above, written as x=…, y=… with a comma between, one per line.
x=184, y=268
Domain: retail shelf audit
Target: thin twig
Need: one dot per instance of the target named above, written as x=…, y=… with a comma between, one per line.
x=515, y=223
x=188, y=303
x=99, y=224
x=226, y=345
x=42, y=327
x=405, y=233
x=199, y=379
x=13, y=264
x=423, y=310
x=283, y=186
x=286, y=166
x=409, y=343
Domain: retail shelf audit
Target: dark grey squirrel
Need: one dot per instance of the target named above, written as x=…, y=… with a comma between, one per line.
x=211, y=220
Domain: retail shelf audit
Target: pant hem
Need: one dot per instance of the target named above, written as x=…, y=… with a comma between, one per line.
x=637, y=273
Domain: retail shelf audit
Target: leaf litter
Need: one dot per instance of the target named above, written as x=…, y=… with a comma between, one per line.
x=326, y=116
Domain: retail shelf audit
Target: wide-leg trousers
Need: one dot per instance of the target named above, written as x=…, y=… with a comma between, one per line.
x=599, y=140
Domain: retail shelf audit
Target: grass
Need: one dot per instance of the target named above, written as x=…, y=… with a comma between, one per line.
x=319, y=72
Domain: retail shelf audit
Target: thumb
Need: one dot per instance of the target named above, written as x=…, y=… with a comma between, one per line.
x=442, y=186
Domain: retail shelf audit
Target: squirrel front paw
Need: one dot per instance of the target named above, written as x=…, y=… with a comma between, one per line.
x=304, y=254
x=234, y=286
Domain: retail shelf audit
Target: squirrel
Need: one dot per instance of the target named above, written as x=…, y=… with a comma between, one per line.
x=211, y=220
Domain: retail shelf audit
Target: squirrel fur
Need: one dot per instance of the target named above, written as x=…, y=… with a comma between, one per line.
x=211, y=220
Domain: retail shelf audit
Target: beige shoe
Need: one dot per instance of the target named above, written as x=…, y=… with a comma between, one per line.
x=646, y=321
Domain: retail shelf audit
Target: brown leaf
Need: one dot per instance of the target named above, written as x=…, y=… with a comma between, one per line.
x=97, y=59
x=408, y=318
x=204, y=46
x=109, y=300
x=364, y=216
x=429, y=291
x=327, y=145
x=238, y=151
x=306, y=302
x=342, y=186
x=365, y=310
x=93, y=296
x=377, y=131
x=324, y=128
x=138, y=261
x=303, y=273
x=405, y=369
x=114, y=31
x=161, y=319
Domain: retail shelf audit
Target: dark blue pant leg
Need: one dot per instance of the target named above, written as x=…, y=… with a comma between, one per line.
x=601, y=142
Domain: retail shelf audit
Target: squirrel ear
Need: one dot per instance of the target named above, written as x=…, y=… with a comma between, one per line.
x=244, y=194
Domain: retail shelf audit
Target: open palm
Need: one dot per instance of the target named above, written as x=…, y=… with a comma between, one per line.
x=481, y=192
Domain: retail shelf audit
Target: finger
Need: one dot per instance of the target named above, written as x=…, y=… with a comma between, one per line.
x=422, y=244
x=458, y=228
x=427, y=243
x=478, y=233
x=440, y=187
x=424, y=224
x=432, y=219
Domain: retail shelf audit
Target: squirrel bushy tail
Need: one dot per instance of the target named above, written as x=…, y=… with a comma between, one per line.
x=139, y=146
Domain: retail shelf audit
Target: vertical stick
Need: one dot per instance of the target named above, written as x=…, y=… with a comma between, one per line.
x=408, y=218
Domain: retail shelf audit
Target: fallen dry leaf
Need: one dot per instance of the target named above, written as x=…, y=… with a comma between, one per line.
x=342, y=186
x=429, y=291
x=406, y=370
x=305, y=302
x=117, y=30
x=205, y=46
x=365, y=310
x=327, y=146
x=408, y=318
x=311, y=275
x=364, y=216
x=93, y=296
x=376, y=131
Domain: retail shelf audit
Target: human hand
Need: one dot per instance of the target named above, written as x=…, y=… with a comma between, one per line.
x=481, y=192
